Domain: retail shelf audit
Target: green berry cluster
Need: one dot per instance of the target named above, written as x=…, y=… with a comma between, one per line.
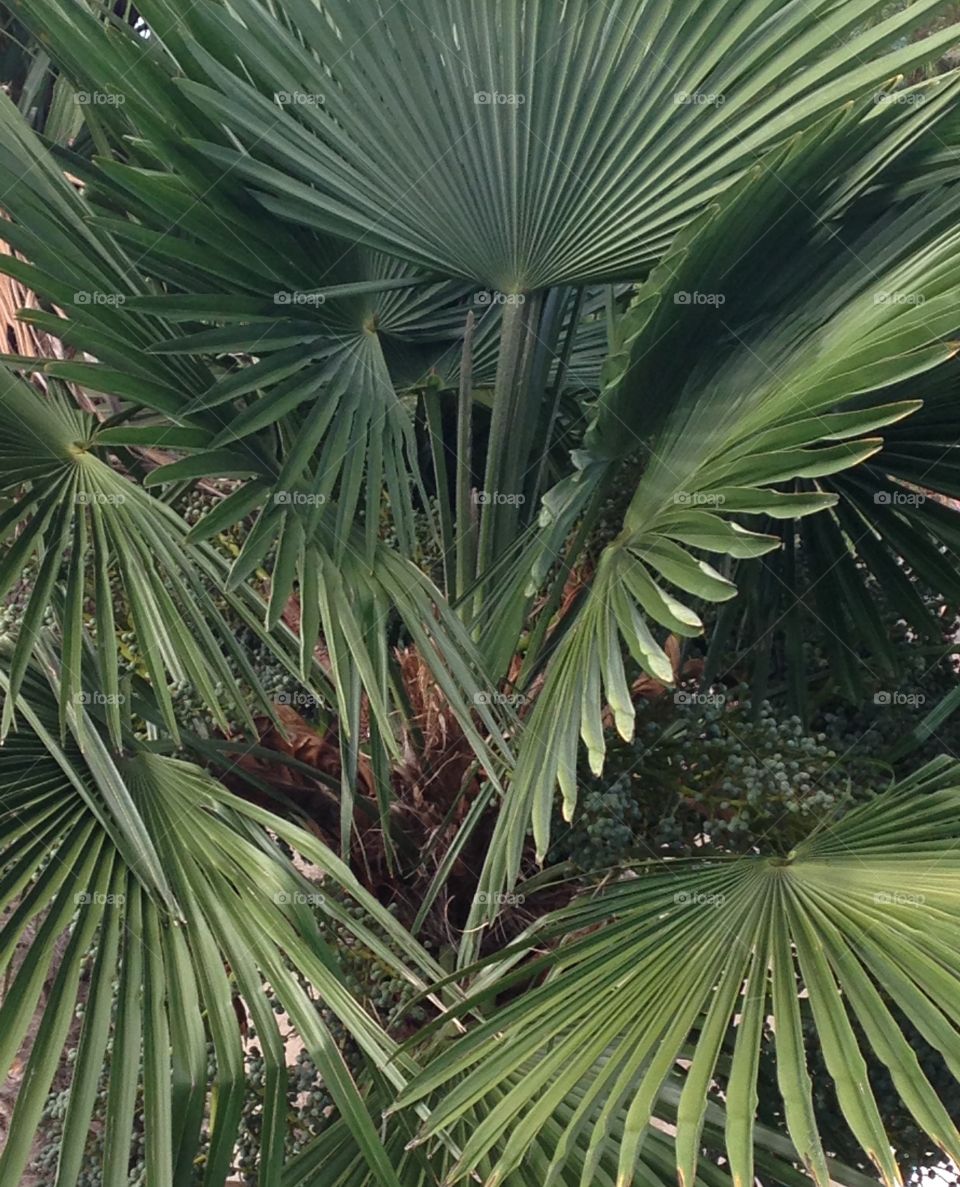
x=710, y=772
x=606, y=828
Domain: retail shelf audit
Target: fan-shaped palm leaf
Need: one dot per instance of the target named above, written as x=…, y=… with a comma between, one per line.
x=863, y=913
x=189, y=907
x=529, y=150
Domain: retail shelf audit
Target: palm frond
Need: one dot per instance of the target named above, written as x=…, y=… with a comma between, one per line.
x=584, y=108
x=191, y=908
x=685, y=958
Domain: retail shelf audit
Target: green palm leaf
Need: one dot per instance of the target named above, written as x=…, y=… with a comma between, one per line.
x=85, y=842
x=862, y=914
x=334, y=1155
x=893, y=528
x=583, y=108
x=83, y=523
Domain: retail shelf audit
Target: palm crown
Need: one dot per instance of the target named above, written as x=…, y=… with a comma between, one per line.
x=500, y=343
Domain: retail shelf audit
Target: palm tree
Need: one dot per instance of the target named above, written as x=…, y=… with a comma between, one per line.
x=477, y=327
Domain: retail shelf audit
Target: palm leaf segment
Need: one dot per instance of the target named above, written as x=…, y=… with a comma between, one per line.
x=319, y=337
x=891, y=525
x=695, y=960
x=886, y=536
